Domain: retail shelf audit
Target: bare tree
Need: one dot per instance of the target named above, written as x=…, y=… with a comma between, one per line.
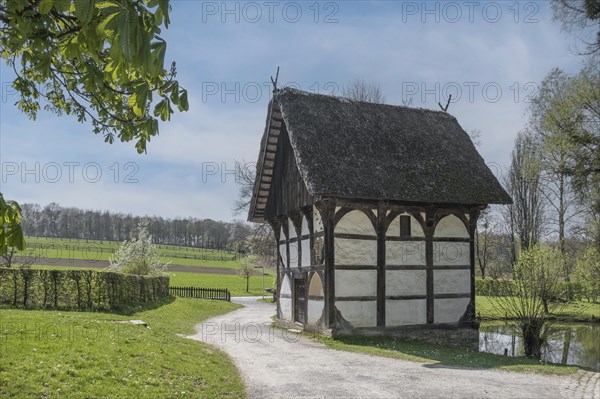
x=15, y=258
x=483, y=240
x=361, y=91
x=525, y=215
x=581, y=18
x=247, y=265
x=475, y=136
x=245, y=175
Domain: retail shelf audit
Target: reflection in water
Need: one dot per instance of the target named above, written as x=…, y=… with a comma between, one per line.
x=568, y=343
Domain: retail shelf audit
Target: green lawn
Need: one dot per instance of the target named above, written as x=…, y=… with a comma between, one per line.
x=48, y=354
x=56, y=248
x=235, y=284
x=439, y=354
x=576, y=310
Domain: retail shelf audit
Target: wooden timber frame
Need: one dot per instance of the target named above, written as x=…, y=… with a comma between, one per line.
x=381, y=214
x=311, y=163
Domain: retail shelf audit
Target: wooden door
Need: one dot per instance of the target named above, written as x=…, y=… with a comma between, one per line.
x=300, y=299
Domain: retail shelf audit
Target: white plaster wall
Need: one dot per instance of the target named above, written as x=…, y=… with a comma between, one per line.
x=359, y=313
x=415, y=227
x=399, y=253
x=451, y=253
x=405, y=282
x=282, y=236
x=355, y=283
x=317, y=222
x=404, y=312
x=305, y=246
x=451, y=281
x=294, y=254
x=283, y=254
x=305, y=229
x=285, y=304
x=315, y=310
x=291, y=229
x=355, y=222
x=355, y=252
x=315, y=287
x=451, y=226
x=449, y=310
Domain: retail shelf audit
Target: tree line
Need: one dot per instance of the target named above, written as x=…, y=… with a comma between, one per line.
x=53, y=220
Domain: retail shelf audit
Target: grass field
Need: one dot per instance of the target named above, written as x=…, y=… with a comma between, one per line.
x=52, y=354
x=576, y=310
x=64, y=248
x=235, y=284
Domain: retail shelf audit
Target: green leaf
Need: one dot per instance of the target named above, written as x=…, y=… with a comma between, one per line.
x=183, y=101
x=45, y=6
x=84, y=9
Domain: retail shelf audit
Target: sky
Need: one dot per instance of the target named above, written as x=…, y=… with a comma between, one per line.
x=490, y=56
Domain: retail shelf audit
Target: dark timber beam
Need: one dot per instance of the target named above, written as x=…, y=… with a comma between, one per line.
x=429, y=231
x=381, y=231
x=327, y=208
x=473, y=216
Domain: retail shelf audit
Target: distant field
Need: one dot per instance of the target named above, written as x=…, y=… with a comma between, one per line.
x=235, y=284
x=65, y=248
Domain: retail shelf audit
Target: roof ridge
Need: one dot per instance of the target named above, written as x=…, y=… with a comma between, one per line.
x=294, y=90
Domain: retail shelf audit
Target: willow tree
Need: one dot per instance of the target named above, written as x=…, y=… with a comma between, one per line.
x=101, y=61
x=528, y=297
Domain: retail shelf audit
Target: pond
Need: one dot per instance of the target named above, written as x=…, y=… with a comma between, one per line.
x=568, y=343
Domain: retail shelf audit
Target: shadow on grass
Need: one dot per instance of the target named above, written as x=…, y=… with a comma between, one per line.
x=438, y=356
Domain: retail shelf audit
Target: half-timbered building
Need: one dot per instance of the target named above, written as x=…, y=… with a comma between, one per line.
x=374, y=209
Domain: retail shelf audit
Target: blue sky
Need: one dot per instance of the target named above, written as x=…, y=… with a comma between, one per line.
x=489, y=55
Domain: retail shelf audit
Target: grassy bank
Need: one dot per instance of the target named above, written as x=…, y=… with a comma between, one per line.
x=84, y=354
x=571, y=311
x=421, y=352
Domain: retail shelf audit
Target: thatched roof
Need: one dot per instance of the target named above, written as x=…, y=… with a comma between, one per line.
x=358, y=150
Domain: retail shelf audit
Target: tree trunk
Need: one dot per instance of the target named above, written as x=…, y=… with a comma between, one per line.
x=532, y=340
x=248, y=284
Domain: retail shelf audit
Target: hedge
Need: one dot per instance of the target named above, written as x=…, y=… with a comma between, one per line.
x=489, y=287
x=78, y=289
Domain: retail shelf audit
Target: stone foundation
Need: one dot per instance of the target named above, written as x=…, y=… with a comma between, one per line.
x=462, y=335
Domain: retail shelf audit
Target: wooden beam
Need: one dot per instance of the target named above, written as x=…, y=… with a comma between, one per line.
x=381, y=228
x=328, y=218
x=429, y=230
x=473, y=216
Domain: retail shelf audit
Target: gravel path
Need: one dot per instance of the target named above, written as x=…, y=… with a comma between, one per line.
x=277, y=364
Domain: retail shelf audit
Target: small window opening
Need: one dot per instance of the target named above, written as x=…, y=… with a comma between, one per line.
x=404, y=226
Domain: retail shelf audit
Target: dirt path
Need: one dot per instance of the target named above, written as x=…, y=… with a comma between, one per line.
x=278, y=364
x=100, y=264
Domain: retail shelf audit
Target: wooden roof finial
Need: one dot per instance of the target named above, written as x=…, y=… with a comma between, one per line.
x=445, y=109
x=274, y=81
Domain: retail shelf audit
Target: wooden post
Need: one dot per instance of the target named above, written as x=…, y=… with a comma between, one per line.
x=381, y=230
x=328, y=216
x=473, y=216
x=429, y=232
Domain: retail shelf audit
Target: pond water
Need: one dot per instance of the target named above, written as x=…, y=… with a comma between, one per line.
x=567, y=343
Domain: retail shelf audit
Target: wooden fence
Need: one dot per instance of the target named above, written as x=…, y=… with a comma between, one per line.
x=201, y=293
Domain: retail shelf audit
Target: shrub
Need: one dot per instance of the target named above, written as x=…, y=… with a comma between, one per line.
x=138, y=256
x=78, y=289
